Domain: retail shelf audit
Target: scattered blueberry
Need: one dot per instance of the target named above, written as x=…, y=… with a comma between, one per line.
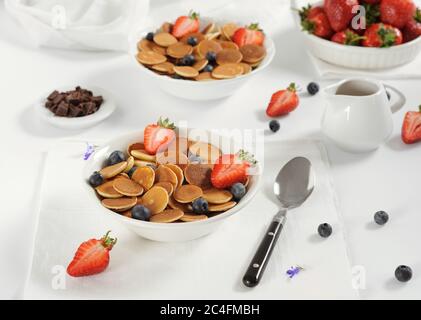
x=313, y=88
x=131, y=171
x=403, y=273
x=200, y=206
x=324, y=230
x=388, y=95
x=381, y=217
x=149, y=36
x=116, y=157
x=194, y=158
x=187, y=60
x=211, y=57
x=140, y=212
x=238, y=190
x=96, y=179
x=208, y=68
x=274, y=125
x=192, y=41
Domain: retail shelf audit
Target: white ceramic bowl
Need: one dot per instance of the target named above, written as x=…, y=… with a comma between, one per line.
x=359, y=57
x=199, y=90
x=165, y=232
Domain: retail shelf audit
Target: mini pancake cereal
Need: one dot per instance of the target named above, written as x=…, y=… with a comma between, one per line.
x=194, y=182
x=194, y=50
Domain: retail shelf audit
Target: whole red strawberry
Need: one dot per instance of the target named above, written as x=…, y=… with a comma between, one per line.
x=283, y=102
x=158, y=136
x=92, y=257
x=340, y=13
x=412, y=29
x=347, y=37
x=251, y=34
x=411, y=128
x=185, y=25
x=231, y=168
x=397, y=12
x=315, y=21
x=382, y=35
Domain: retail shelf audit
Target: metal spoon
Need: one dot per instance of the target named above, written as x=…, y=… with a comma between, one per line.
x=293, y=185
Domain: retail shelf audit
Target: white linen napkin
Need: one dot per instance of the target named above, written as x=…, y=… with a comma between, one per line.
x=207, y=268
x=79, y=24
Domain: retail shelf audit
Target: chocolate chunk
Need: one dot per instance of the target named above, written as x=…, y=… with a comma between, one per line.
x=58, y=98
x=53, y=95
x=62, y=109
x=75, y=111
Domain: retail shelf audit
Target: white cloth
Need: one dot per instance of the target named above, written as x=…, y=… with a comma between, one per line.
x=79, y=24
x=206, y=268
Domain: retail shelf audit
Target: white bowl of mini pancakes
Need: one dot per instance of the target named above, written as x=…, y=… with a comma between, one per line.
x=175, y=231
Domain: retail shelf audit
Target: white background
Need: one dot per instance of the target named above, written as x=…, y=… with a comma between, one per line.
x=384, y=180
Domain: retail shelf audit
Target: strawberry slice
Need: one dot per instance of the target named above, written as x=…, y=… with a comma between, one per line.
x=283, y=102
x=251, y=34
x=158, y=136
x=411, y=128
x=231, y=168
x=186, y=24
x=92, y=257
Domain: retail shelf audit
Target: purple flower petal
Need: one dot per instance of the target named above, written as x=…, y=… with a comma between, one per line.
x=90, y=149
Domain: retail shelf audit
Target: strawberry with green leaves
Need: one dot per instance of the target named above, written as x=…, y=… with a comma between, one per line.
x=412, y=29
x=340, y=13
x=314, y=20
x=251, y=34
x=382, y=36
x=157, y=137
x=411, y=128
x=283, y=102
x=397, y=12
x=347, y=37
x=185, y=25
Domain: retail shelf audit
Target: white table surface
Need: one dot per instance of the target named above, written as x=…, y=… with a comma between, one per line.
x=384, y=180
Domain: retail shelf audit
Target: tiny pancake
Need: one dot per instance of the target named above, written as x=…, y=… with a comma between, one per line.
x=172, y=157
x=167, y=216
x=122, y=175
x=112, y=171
x=166, y=27
x=127, y=187
x=155, y=199
x=228, y=44
x=120, y=204
x=107, y=190
x=143, y=155
x=145, y=45
x=229, y=56
x=206, y=151
x=229, y=29
x=255, y=65
x=150, y=57
x=130, y=164
x=135, y=146
x=141, y=163
x=186, y=71
x=199, y=175
x=217, y=196
x=193, y=217
x=252, y=53
x=222, y=207
x=179, y=50
x=127, y=213
x=165, y=174
x=145, y=176
x=172, y=203
x=187, y=193
x=227, y=71
x=178, y=172
x=165, y=67
x=167, y=186
x=199, y=36
x=204, y=76
x=200, y=64
x=158, y=49
x=212, y=35
x=211, y=27
x=164, y=39
x=246, y=67
x=208, y=46
x=180, y=144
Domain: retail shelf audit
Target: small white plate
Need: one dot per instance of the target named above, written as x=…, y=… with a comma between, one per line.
x=106, y=109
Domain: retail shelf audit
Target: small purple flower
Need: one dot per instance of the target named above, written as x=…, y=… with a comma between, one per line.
x=293, y=271
x=90, y=149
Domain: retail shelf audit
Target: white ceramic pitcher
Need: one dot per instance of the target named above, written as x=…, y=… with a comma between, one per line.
x=358, y=114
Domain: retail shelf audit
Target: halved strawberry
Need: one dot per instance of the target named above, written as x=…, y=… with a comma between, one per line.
x=231, y=168
x=251, y=34
x=283, y=102
x=411, y=128
x=158, y=136
x=92, y=257
x=186, y=24
x=315, y=21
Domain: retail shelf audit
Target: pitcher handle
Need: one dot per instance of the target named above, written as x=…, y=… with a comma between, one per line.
x=401, y=99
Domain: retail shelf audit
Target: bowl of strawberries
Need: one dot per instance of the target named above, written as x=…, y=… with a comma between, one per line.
x=362, y=34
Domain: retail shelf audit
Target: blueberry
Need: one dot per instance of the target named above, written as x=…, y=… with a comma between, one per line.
x=149, y=36
x=388, y=95
x=211, y=56
x=96, y=179
x=381, y=217
x=200, y=206
x=208, y=68
x=238, y=190
x=140, y=212
x=192, y=41
x=116, y=157
x=274, y=125
x=187, y=60
x=131, y=171
x=403, y=273
x=313, y=88
x=324, y=230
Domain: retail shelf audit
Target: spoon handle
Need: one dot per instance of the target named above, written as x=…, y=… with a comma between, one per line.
x=258, y=264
